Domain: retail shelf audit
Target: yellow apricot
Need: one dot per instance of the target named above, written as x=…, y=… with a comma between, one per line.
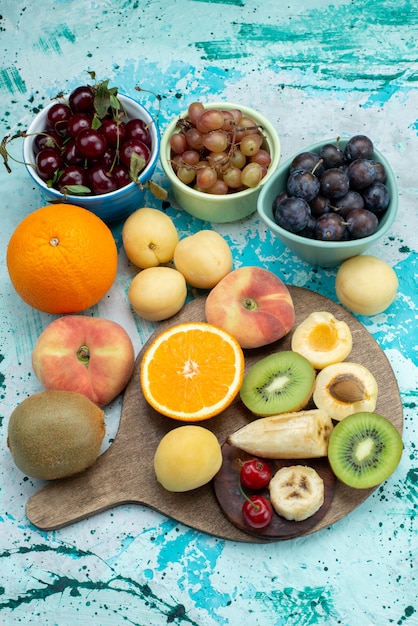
x=366, y=284
x=322, y=339
x=186, y=458
x=203, y=258
x=149, y=237
x=157, y=293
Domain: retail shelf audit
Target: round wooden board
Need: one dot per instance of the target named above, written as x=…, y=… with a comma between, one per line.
x=124, y=472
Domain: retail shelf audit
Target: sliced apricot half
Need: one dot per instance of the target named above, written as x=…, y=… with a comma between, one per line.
x=345, y=388
x=322, y=339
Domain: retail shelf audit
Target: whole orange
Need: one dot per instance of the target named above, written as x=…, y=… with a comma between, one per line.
x=62, y=259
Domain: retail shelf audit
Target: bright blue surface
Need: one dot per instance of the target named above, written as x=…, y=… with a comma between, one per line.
x=316, y=70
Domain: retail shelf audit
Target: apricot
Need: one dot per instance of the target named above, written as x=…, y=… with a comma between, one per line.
x=366, y=285
x=203, y=258
x=186, y=458
x=322, y=339
x=149, y=237
x=157, y=293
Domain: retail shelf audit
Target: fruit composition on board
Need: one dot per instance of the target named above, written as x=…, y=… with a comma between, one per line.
x=335, y=194
x=62, y=258
x=89, y=146
x=302, y=404
x=217, y=151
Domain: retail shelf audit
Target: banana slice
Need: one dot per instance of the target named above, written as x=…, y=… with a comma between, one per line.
x=296, y=492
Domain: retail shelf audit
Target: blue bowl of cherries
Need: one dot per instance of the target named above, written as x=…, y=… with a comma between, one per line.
x=96, y=149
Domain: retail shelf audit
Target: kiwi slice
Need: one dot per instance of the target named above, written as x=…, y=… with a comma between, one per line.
x=364, y=450
x=280, y=383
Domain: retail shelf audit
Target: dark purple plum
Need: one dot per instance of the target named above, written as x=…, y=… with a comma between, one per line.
x=361, y=173
x=303, y=184
x=334, y=183
x=331, y=155
x=309, y=161
x=330, y=227
x=361, y=223
x=351, y=200
x=358, y=147
x=293, y=214
x=376, y=198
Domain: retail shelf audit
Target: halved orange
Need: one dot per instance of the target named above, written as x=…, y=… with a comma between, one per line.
x=192, y=371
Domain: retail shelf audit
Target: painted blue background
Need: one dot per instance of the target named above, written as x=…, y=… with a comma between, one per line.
x=316, y=69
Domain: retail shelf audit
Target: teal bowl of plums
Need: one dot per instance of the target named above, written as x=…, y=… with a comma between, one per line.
x=331, y=201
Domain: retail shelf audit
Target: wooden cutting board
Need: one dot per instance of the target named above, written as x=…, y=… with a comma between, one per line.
x=124, y=472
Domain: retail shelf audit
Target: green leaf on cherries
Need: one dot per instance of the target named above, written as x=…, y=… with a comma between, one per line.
x=136, y=165
x=96, y=122
x=76, y=190
x=104, y=98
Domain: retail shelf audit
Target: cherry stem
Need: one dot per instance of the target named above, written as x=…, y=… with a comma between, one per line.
x=253, y=504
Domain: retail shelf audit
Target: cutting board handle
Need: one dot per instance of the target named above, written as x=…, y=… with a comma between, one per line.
x=69, y=500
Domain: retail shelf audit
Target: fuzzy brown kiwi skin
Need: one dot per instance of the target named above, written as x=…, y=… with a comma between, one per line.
x=256, y=378
x=55, y=434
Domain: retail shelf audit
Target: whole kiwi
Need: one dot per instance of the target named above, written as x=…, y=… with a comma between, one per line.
x=55, y=434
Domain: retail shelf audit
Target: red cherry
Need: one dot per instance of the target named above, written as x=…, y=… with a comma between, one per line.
x=70, y=154
x=137, y=129
x=257, y=511
x=72, y=175
x=100, y=180
x=81, y=100
x=48, y=139
x=113, y=131
x=255, y=474
x=48, y=162
x=78, y=122
x=58, y=116
x=121, y=176
x=133, y=146
x=90, y=143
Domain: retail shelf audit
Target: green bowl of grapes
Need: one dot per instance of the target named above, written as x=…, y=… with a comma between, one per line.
x=331, y=201
x=217, y=157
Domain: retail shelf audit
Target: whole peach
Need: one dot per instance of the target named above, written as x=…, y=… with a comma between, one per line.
x=91, y=355
x=253, y=305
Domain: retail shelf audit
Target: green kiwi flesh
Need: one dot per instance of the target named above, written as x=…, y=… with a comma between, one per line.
x=364, y=450
x=280, y=383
